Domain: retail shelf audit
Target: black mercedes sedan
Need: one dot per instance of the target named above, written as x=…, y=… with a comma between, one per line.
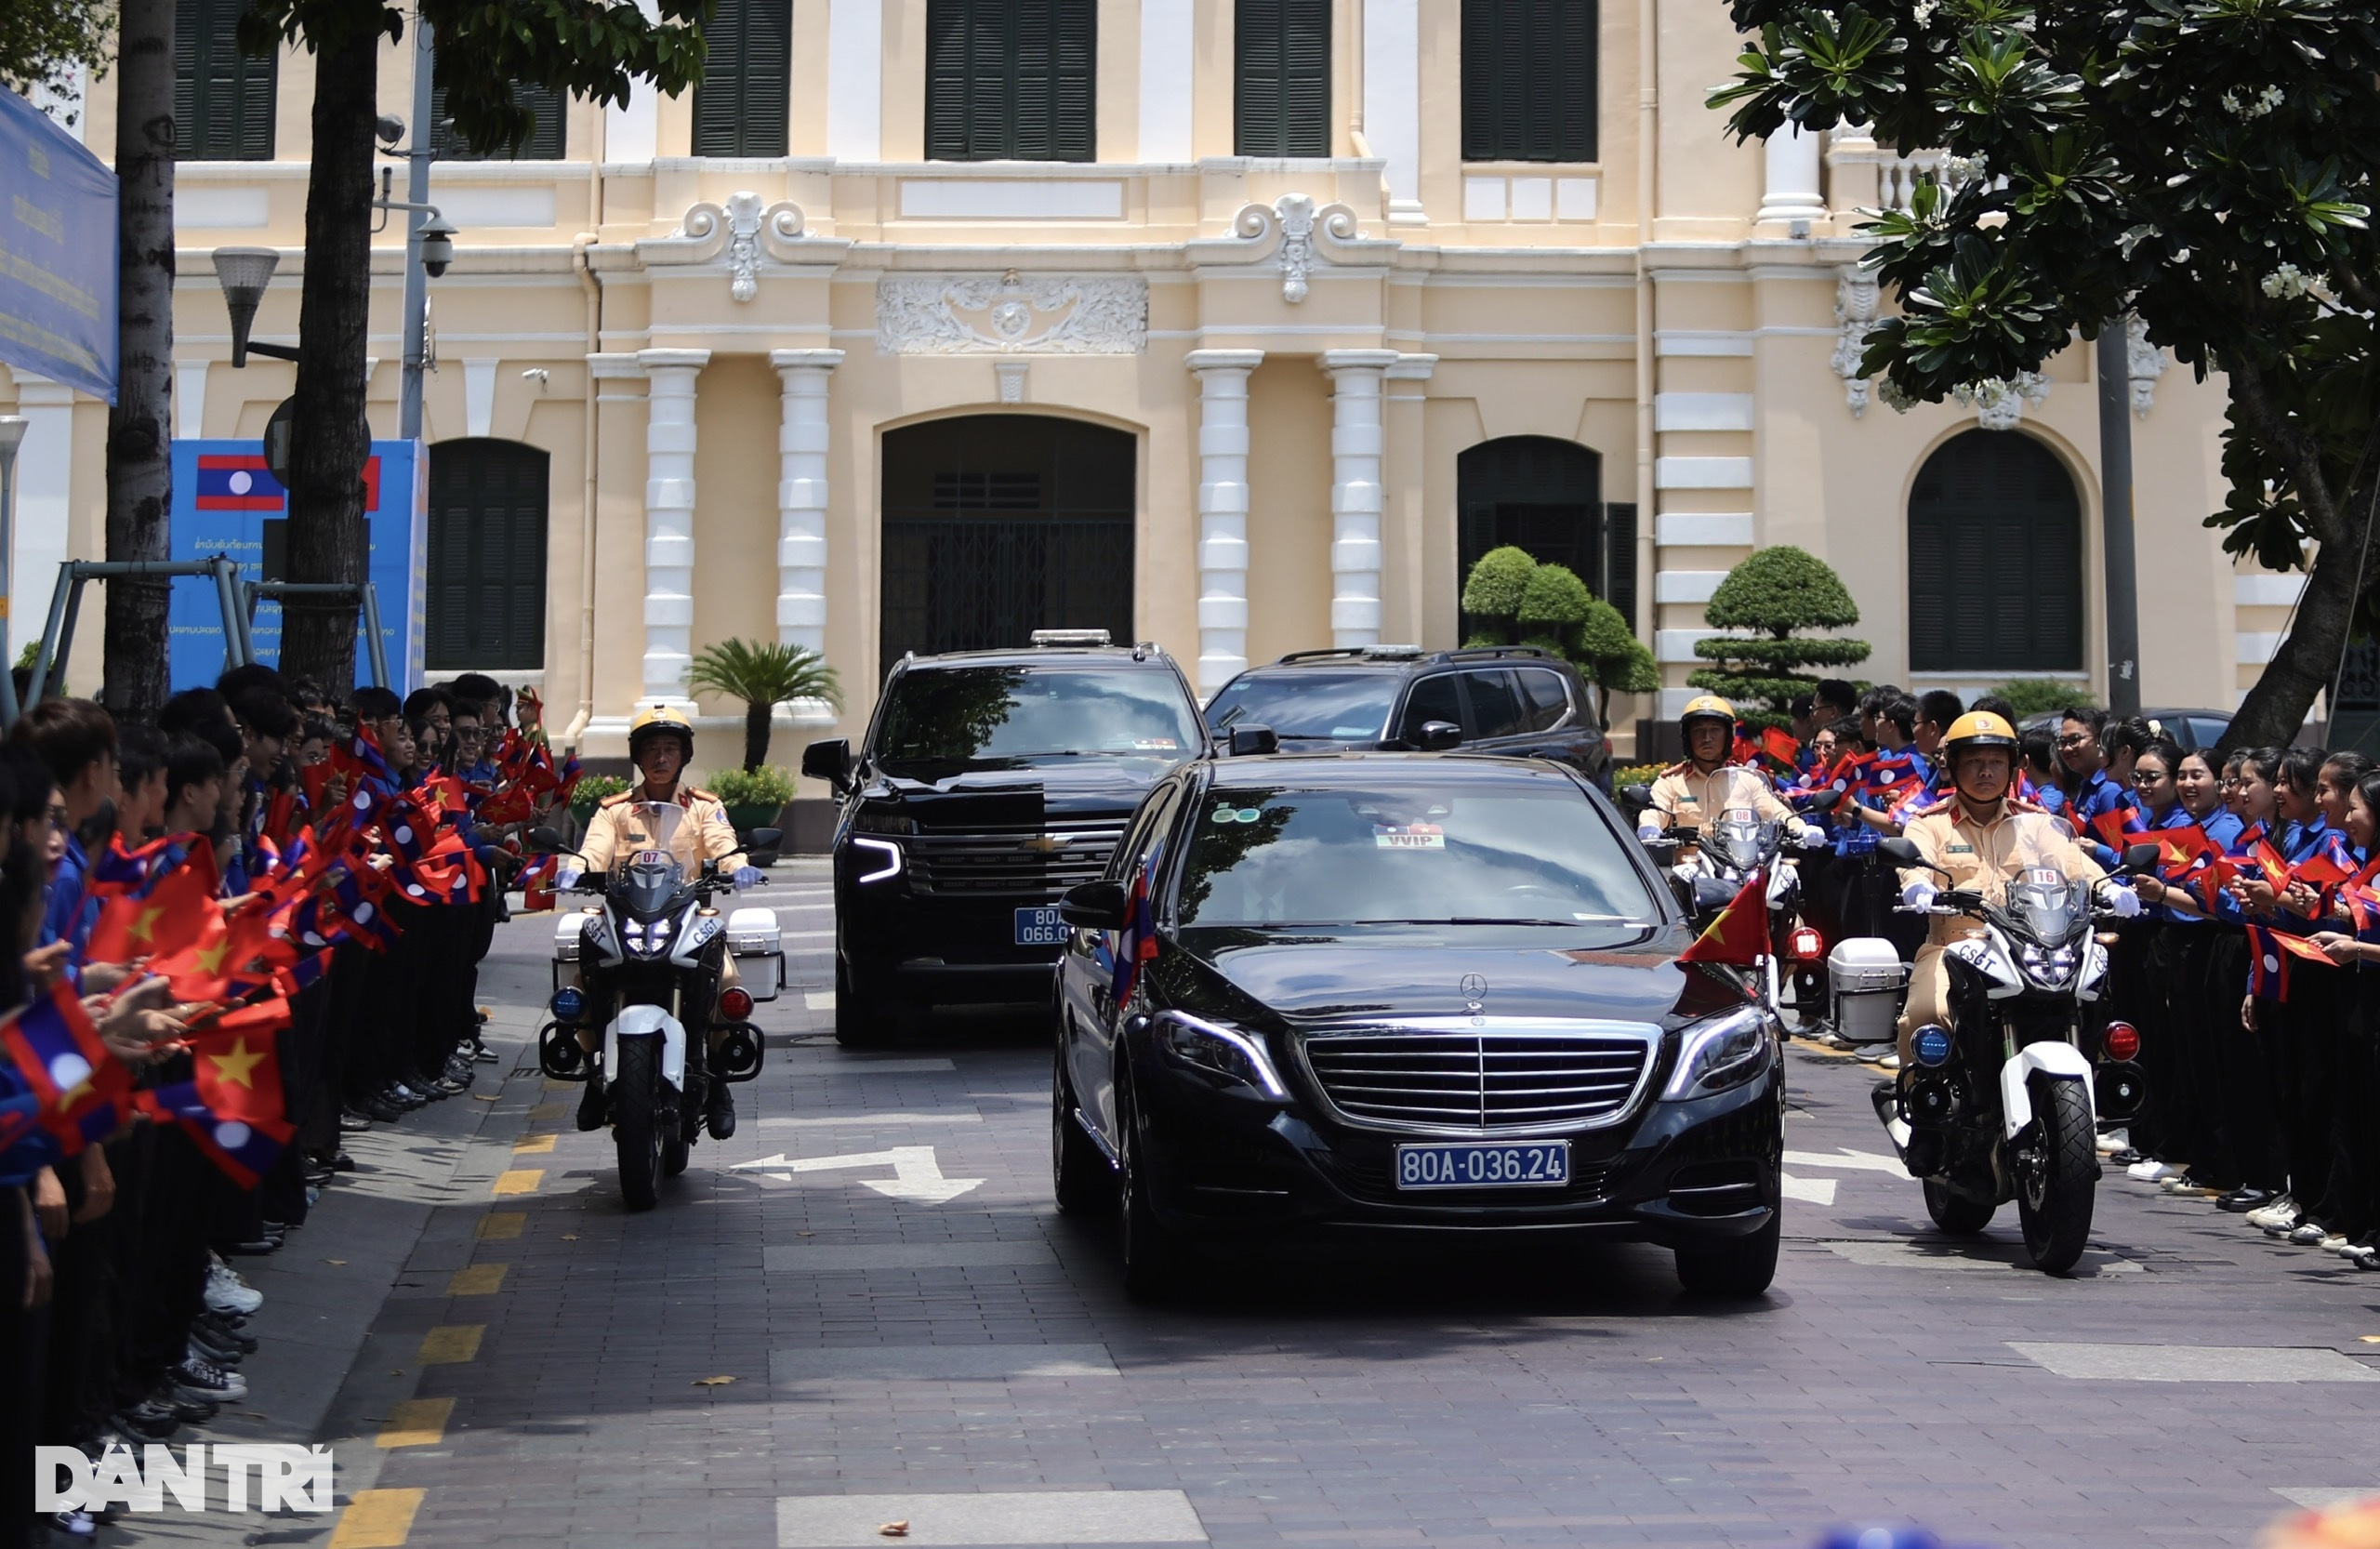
x=1404, y=993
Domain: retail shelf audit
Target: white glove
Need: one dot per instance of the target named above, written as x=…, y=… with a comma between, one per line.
x=1917, y=895
x=566, y=878
x=1813, y=837
x=2124, y=901
x=1648, y=826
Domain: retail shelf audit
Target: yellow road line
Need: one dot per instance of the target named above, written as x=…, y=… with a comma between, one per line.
x=500, y=1225
x=376, y=1519
x=519, y=1181
x=528, y=1144
x=561, y=1086
x=451, y=1344
x=417, y=1423
x=548, y=1110
x=480, y=1279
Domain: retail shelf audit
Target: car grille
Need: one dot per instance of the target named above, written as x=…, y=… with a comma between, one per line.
x=1480, y=1079
x=1039, y=861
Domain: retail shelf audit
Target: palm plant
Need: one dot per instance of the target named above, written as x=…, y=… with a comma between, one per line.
x=763, y=677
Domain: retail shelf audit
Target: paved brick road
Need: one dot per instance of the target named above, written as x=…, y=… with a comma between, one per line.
x=915, y=1335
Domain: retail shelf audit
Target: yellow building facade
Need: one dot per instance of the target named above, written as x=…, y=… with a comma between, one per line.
x=815, y=353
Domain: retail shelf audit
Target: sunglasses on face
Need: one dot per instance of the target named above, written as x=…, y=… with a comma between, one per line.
x=2075, y=739
x=2146, y=777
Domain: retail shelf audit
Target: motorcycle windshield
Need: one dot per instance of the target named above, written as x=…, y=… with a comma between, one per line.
x=647, y=881
x=659, y=825
x=1736, y=840
x=2045, y=906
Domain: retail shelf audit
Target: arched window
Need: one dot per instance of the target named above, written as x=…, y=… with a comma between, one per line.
x=1995, y=558
x=486, y=597
x=1546, y=497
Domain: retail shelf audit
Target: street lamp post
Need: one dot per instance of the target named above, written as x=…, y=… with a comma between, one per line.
x=2115, y=518
x=12, y=435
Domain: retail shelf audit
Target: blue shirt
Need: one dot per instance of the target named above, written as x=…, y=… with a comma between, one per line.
x=65, y=903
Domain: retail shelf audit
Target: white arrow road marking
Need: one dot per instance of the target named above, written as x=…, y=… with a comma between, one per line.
x=1862, y=1161
x=915, y=1175
x=1815, y=1191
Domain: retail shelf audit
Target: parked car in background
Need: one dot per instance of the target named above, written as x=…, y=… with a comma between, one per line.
x=1516, y=701
x=2190, y=729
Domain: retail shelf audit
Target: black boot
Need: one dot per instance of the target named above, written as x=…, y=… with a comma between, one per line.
x=590, y=1105
x=719, y=1110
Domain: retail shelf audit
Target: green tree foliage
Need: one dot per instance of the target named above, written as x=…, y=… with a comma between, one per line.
x=1514, y=601
x=1776, y=593
x=42, y=41
x=763, y=676
x=2206, y=164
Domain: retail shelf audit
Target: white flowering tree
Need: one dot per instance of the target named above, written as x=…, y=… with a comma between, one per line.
x=2208, y=165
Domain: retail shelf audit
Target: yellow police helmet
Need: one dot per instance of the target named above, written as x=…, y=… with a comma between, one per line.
x=1706, y=706
x=660, y=720
x=1978, y=729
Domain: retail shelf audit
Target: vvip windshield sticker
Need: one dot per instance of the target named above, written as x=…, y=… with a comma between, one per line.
x=1419, y=836
x=1233, y=814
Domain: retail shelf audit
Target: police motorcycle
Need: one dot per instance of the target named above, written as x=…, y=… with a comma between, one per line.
x=1725, y=855
x=648, y=962
x=2003, y=1106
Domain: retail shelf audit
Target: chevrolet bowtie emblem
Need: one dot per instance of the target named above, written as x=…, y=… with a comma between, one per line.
x=1045, y=843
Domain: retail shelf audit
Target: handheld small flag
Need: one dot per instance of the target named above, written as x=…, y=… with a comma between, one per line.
x=82, y=1088
x=1740, y=935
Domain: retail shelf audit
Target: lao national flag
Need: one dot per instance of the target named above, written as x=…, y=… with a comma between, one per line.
x=82, y=1087
x=2268, y=965
x=228, y=481
x=1136, y=943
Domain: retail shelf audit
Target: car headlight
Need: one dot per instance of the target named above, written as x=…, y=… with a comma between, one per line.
x=1724, y=1053
x=879, y=857
x=1219, y=1049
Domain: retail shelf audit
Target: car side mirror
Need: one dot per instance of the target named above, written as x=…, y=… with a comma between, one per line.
x=1825, y=801
x=1093, y=905
x=1248, y=742
x=1438, y=736
x=829, y=760
x=542, y=841
x=1901, y=852
x=2139, y=859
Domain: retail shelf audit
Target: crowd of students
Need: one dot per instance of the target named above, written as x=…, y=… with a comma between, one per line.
x=324, y=879
x=2245, y=975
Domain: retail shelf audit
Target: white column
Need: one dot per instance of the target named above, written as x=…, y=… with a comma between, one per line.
x=802, y=494
x=1355, y=377
x=1223, y=511
x=1791, y=190
x=1393, y=100
x=855, y=79
x=1168, y=43
x=44, y=503
x=669, y=520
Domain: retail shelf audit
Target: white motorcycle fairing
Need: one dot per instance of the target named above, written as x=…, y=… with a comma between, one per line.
x=1987, y=954
x=2094, y=972
x=644, y=1022
x=2061, y=1061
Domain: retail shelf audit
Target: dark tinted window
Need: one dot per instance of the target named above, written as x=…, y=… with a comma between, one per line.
x=968, y=714
x=486, y=599
x=742, y=102
x=1529, y=80
x=1995, y=558
x=1432, y=699
x=2205, y=731
x=1302, y=702
x=1495, y=706
x=1548, y=697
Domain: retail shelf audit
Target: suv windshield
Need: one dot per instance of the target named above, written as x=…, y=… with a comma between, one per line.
x=1479, y=854
x=1340, y=706
x=975, y=715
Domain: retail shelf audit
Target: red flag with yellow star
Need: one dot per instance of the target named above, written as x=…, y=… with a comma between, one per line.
x=178, y=911
x=1740, y=935
x=232, y=1105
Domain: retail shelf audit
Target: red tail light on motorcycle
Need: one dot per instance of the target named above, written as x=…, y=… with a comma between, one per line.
x=1808, y=946
x=2122, y=1042
x=735, y=1003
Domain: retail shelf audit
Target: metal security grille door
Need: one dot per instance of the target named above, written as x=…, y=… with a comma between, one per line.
x=743, y=102
x=1284, y=97
x=1995, y=558
x=222, y=98
x=1546, y=497
x=997, y=525
x=1010, y=80
x=1529, y=80
x=487, y=556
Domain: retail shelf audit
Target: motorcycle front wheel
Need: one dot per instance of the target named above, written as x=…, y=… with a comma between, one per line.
x=2053, y=1199
x=634, y=1135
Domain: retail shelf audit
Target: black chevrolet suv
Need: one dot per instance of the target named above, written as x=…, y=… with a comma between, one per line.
x=1515, y=701
x=989, y=784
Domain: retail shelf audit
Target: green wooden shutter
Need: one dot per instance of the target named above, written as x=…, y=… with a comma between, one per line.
x=1283, y=106
x=743, y=100
x=486, y=591
x=1619, y=587
x=1011, y=80
x=542, y=143
x=1529, y=80
x=223, y=100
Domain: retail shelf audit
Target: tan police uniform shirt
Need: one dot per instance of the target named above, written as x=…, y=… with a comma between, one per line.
x=618, y=828
x=1686, y=795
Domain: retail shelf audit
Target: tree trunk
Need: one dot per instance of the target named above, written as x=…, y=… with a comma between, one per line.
x=2307, y=662
x=756, y=734
x=140, y=425
x=328, y=438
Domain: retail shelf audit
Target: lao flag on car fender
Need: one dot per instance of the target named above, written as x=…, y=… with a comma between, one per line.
x=1136, y=943
x=1740, y=935
x=83, y=1090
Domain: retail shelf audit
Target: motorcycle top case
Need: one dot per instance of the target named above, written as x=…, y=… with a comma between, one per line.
x=1868, y=982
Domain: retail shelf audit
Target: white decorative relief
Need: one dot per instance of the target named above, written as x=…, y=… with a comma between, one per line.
x=2143, y=362
x=1047, y=315
x=1999, y=403
x=743, y=231
x=1855, y=315
x=1295, y=217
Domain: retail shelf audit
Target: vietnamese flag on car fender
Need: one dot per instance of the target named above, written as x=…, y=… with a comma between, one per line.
x=1740, y=935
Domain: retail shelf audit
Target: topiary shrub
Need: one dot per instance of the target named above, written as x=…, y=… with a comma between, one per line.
x=1515, y=601
x=1775, y=593
x=2044, y=695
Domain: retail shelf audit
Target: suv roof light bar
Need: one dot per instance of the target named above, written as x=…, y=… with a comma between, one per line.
x=1071, y=637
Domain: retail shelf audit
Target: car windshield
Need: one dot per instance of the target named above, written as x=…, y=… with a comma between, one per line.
x=977, y=715
x=1482, y=853
x=1340, y=706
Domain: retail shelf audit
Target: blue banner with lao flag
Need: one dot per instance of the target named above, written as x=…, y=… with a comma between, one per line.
x=58, y=259
x=226, y=501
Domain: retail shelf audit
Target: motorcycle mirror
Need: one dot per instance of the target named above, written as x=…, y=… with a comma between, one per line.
x=1902, y=852
x=542, y=841
x=768, y=839
x=2139, y=859
x=1638, y=798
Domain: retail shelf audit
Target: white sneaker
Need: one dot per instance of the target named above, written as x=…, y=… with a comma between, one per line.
x=2336, y=1242
x=2151, y=1172
x=2280, y=1213
x=2113, y=1142
x=226, y=1292
x=1890, y=1062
